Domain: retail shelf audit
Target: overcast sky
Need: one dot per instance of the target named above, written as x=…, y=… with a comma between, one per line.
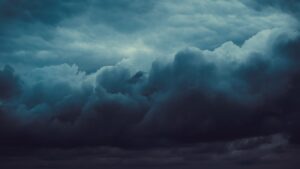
x=149, y=84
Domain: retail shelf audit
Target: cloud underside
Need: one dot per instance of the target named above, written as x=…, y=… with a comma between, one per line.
x=258, y=152
x=108, y=82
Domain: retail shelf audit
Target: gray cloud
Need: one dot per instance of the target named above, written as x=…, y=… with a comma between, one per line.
x=190, y=99
x=93, y=34
x=162, y=83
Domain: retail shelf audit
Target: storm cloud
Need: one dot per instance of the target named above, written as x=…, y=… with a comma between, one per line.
x=196, y=97
x=149, y=74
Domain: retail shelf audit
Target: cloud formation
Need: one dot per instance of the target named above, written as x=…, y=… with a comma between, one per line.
x=88, y=73
x=228, y=93
x=258, y=152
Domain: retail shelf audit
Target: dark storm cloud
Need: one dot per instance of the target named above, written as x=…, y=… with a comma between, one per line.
x=196, y=97
x=197, y=107
x=191, y=99
x=149, y=84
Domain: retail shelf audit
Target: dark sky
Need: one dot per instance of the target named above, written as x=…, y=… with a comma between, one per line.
x=149, y=84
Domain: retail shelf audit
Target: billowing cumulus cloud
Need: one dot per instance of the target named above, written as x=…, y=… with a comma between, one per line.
x=144, y=74
x=227, y=93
